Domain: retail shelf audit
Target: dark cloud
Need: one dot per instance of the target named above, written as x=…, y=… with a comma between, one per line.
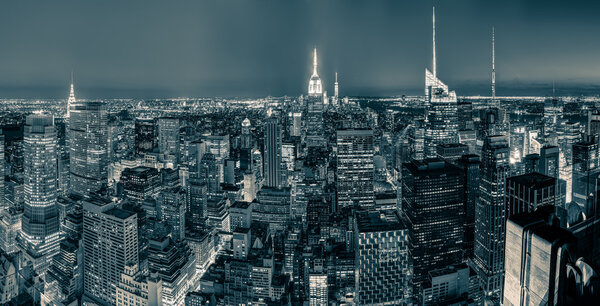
x=231, y=48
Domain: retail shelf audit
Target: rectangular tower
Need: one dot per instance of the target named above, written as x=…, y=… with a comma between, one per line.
x=273, y=177
x=355, y=169
x=490, y=216
x=39, y=237
x=433, y=204
x=110, y=242
x=88, y=147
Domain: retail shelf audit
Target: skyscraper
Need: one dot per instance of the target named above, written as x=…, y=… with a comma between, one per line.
x=144, y=135
x=490, y=216
x=383, y=263
x=315, y=88
x=433, y=204
x=110, y=242
x=441, y=119
x=355, y=169
x=315, y=105
x=246, y=135
x=585, y=172
x=71, y=99
x=3, y=204
x=469, y=165
x=39, y=225
x=88, y=147
x=336, y=89
x=528, y=192
x=174, y=264
x=538, y=255
x=273, y=177
x=140, y=183
x=168, y=140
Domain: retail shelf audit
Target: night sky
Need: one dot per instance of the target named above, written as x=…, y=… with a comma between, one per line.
x=163, y=48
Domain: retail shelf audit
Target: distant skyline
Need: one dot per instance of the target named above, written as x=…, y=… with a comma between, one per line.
x=147, y=49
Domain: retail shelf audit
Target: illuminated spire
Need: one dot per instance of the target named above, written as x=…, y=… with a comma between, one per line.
x=315, y=63
x=335, y=86
x=434, y=64
x=493, y=66
x=314, y=86
x=71, y=99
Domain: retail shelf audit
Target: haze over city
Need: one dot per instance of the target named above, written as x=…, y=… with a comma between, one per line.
x=145, y=49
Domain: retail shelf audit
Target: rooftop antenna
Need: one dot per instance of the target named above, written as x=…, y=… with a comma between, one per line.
x=434, y=65
x=493, y=65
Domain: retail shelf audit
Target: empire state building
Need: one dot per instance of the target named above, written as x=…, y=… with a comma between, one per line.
x=314, y=85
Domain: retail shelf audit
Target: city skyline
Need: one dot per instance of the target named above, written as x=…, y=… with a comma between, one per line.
x=265, y=51
x=314, y=196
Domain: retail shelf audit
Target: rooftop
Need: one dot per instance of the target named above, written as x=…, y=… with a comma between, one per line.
x=533, y=180
x=241, y=205
x=119, y=213
x=379, y=221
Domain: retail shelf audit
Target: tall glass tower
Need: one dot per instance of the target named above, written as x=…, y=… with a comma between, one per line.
x=88, y=151
x=39, y=225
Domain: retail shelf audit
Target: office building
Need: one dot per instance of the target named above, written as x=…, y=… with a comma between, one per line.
x=469, y=164
x=140, y=183
x=541, y=261
x=272, y=207
x=442, y=109
x=383, y=263
x=452, y=285
x=88, y=136
x=168, y=141
x=136, y=290
x=355, y=169
x=172, y=263
x=110, y=243
x=585, y=172
x=273, y=175
x=433, y=204
x=451, y=151
x=490, y=216
x=144, y=135
x=528, y=192
x=172, y=209
x=39, y=237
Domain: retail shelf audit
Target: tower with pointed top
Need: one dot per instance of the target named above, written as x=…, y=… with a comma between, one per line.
x=315, y=104
x=336, y=87
x=315, y=88
x=493, y=66
x=441, y=117
x=71, y=99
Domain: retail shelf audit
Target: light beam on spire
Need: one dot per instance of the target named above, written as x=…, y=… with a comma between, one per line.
x=315, y=62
